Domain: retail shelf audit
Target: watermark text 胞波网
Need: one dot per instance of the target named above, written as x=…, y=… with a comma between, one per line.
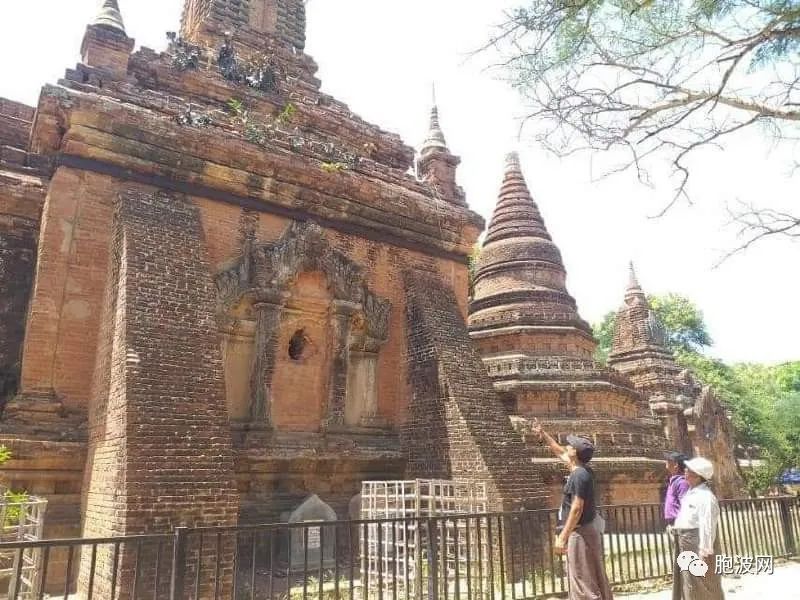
x=744, y=565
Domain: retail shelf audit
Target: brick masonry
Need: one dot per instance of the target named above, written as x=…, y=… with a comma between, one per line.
x=285, y=19
x=456, y=426
x=15, y=123
x=21, y=197
x=160, y=451
x=18, y=241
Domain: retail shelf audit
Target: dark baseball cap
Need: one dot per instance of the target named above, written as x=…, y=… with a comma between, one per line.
x=583, y=446
x=677, y=457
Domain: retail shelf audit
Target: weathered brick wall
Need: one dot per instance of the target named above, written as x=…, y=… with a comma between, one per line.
x=383, y=265
x=21, y=198
x=160, y=451
x=456, y=426
x=15, y=123
x=286, y=19
x=72, y=263
x=714, y=438
x=18, y=237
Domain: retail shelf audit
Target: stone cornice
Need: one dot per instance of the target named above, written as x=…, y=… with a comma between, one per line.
x=357, y=227
x=575, y=381
x=522, y=297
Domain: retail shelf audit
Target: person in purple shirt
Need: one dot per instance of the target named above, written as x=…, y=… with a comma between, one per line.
x=677, y=486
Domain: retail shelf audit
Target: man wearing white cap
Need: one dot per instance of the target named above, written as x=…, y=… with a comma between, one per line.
x=695, y=531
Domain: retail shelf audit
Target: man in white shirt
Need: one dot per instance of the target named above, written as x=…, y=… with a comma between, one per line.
x=695, y=531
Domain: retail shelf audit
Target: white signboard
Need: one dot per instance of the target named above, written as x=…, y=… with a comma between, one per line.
x=313, y=538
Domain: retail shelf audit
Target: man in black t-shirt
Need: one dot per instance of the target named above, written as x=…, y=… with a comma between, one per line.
x=579, y=525
x=580, y=484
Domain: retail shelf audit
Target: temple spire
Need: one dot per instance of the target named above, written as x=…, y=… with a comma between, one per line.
x=435, y=137
x=436, y=165
x=512, y=164
x=106, y=46
x=633, y=282
x=520, y=279
x=516, y=214
x=637, y=327
x=634, y=290
x=109, y=16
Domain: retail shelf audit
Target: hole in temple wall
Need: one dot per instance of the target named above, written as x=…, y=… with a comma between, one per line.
x=298, y=345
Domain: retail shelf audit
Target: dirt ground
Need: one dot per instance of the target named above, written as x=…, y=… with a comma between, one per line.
x=783, y=584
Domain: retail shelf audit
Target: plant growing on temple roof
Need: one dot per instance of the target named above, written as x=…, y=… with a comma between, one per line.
x=333, y=167
x=236, y=108
x=253, y=130
x=287, y=114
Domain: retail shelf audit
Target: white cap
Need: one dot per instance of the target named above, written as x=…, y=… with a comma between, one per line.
x=701, y=466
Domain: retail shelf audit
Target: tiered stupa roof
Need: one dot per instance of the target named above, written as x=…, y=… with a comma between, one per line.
x=520, y=280
x=109, y=16
x=638, y=330
x=435, y=137
x=639, y=349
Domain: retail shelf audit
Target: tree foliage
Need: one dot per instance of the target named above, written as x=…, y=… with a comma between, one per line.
x=659, y=79
x=604, y=334
x=764, y=400
x=472, y=265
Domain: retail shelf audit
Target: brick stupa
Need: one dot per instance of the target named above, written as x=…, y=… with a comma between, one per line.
x=639, y=351
x=694, y=418
x=538, y=352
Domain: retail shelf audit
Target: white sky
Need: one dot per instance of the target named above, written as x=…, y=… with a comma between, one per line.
x=380, y=57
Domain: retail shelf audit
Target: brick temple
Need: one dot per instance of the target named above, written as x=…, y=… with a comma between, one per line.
x=220, y=283
x=222, y=291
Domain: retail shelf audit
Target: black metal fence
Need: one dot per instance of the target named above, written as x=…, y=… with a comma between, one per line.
x=504, y=556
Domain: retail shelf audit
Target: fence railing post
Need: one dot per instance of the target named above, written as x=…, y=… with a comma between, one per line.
x=787, y=526
x=433, y=561
x=179, y=563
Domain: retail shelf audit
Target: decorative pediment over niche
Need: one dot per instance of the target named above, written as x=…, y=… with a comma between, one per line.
x=267, y=271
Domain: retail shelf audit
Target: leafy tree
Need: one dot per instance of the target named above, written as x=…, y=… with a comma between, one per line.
x=659, y=80
x=604, y=334
x=684, y=322
x=472, y=265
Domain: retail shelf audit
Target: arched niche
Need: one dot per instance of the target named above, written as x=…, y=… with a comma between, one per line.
x=303, y=355
x=300, y=286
